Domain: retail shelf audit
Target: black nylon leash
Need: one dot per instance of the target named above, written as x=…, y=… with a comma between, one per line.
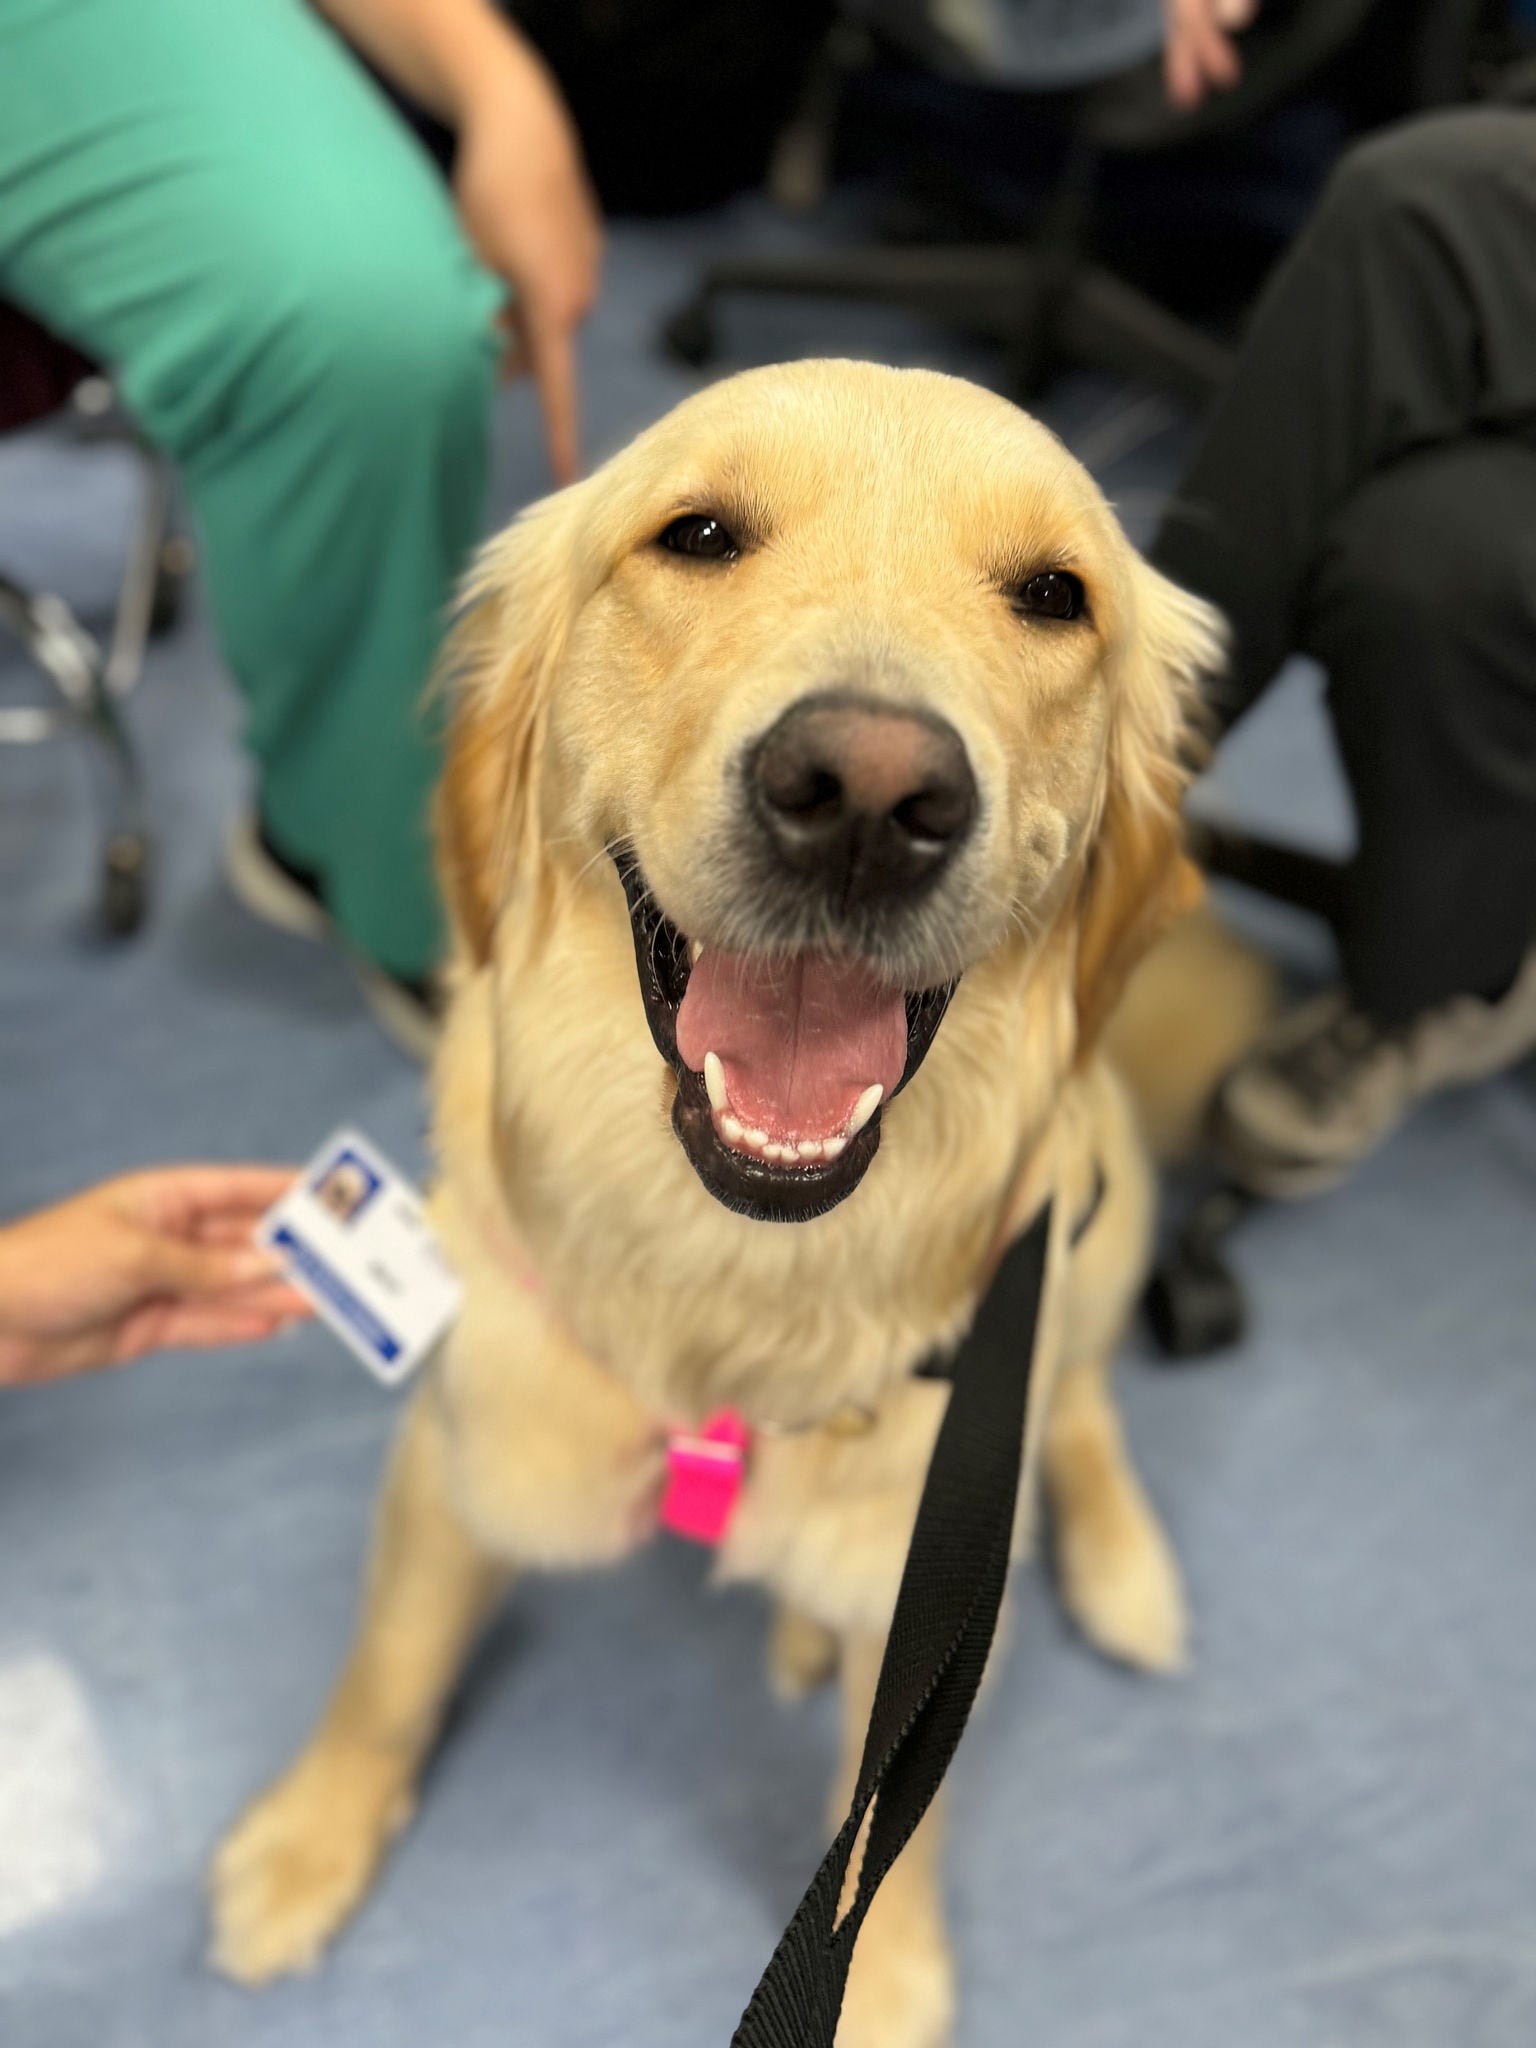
x=941, y=1633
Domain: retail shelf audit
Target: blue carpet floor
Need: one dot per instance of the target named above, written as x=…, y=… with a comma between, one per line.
x=1323, y=1837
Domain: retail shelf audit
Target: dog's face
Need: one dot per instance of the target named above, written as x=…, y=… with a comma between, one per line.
x=845, y=669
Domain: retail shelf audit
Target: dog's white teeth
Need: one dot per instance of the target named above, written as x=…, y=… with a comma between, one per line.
x=698, y=951
x=714, y=1082
x=782, y=1152
x=864, y=1108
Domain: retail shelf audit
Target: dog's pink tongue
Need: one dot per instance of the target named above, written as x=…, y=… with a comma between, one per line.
x=800, y=1040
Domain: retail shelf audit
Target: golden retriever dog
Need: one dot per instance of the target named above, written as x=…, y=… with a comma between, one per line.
x=812, y=788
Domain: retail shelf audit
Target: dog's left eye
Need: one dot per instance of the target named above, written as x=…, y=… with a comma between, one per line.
x=1053, y=594
x=697, y=534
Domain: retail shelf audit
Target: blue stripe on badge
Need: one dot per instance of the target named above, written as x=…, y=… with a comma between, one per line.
x=337, y=1293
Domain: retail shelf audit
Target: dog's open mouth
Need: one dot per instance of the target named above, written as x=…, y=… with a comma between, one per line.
x=783, y=1064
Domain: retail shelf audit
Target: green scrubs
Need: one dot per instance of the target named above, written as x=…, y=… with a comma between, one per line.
x=213, y=199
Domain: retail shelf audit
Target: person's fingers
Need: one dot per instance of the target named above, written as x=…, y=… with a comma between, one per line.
x=189, y=1326
x=514, y=361
x=183, y=1322
x=186, y=1199
x=235, y=1227
x=552, y=349
x=264, y=1298
x=241, y=1315
x=192, y=1326
x=177, y=1266
x=1214, y=49
x=1181, y=74
x=1223, y=66
x=1198, y=53
x=218, y=1228
x=206, y=1186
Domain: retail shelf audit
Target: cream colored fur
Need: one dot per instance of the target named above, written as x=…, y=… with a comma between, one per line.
x=601, y=691
x=1190, y=1011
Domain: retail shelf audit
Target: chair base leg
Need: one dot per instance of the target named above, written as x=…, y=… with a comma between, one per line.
x=1194, y=1302
x=65, y=652
x=1018, y=296
x=1307, y=881
x=125, y=878
x=125, y=858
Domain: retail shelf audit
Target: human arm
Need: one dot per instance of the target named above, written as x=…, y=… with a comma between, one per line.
x=519, y=182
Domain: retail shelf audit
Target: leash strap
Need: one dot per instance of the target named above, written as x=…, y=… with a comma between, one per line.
x=941, y=1633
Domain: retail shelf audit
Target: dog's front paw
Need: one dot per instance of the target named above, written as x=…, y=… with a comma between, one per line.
x=901, y=1990
x=1121, y=1583
x=294, y=1867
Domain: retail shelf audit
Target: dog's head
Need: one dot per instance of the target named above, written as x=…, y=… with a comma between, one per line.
x=853, y=678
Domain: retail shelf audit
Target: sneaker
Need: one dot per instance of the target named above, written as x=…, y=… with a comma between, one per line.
x=269, y=885
x=291, y=899
x=1327, y=1084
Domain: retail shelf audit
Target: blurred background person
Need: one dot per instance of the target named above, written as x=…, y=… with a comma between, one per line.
x=1059, y=43
x=1366, y=494
x=220, y=204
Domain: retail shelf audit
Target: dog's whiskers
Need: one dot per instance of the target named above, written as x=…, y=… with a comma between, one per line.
x=1025, y=919
x=603, y=853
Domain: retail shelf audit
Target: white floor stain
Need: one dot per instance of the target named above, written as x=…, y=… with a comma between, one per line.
x=57, y=1807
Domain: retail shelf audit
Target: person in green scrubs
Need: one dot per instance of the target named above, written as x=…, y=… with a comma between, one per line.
x=219, y=204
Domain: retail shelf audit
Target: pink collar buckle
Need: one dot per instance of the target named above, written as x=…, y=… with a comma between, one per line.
x=706, y=1469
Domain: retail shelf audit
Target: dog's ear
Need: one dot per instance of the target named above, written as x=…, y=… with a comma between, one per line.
x=497, y=673
x=1138, y=879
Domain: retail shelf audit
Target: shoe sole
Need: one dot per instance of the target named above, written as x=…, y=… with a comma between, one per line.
x=260, y=886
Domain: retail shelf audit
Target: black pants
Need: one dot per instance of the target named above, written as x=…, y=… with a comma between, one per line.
x=1366, y=494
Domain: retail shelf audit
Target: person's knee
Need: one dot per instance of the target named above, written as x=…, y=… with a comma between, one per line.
x=371, y=339
x=1425, y=554
x=1396, y=171
x=399, y=338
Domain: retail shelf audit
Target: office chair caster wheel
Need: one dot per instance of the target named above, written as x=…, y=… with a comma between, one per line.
x=1195, y=1308
x=175, y=566
x=1194, y=1302
x=124, y=885
x=690, y=334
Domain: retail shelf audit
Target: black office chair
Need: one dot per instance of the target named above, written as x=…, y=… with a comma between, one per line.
x=1047, y=300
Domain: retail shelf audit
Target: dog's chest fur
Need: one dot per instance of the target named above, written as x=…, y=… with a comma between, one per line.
x=695, y=1308
x=608, y=1296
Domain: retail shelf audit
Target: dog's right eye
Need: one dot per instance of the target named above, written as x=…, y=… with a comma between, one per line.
x=697, y=534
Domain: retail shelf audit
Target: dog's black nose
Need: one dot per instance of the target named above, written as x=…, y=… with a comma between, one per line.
x=867, y=797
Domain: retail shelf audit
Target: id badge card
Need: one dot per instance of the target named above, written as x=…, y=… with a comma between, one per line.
x=353, y=1237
